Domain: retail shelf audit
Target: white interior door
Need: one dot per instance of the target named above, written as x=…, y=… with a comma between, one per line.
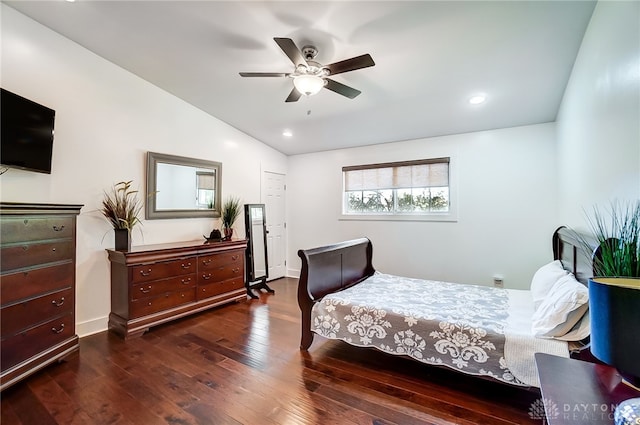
x=274, y=201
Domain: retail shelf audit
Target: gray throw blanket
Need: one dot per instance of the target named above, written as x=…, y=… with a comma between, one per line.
x=441, y=323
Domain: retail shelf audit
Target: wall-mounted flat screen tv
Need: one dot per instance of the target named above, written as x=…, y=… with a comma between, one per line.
x=27, y=133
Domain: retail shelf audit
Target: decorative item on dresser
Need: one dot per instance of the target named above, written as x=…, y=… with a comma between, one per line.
x=37, y=287
x=155, y=284
x=121, y=208
x=230, y=213
x=614, y=289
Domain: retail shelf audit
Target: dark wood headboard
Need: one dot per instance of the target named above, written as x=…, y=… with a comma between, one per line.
x=571, y=249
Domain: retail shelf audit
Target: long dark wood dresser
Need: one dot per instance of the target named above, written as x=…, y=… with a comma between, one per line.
x=37, y=287
x=154, y=284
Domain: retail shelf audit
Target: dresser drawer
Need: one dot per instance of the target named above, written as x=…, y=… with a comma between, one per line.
x=147, y=272
x=31, y=254
x=27, y=284
x=26, y=314
x=27, y=229
x=159, y=287
x=146, y=306
x=220, y=273
x=217, y=288
x=24, y=345
x=214, y=261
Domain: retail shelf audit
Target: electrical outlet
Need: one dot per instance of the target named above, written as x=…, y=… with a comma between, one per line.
x=498, y=281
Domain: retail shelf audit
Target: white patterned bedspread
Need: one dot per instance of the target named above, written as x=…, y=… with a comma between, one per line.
x=477, y=330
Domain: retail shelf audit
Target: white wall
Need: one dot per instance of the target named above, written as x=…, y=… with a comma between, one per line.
x=599, y=120
x=106, y=121
x=507, y=207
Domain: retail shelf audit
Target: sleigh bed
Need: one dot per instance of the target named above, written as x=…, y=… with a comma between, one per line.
x=477, y=330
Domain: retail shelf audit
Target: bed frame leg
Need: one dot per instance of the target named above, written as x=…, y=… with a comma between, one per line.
x=307, y=335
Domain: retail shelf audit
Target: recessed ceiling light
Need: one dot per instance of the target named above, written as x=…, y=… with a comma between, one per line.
x=477, y=99
x=287, y=133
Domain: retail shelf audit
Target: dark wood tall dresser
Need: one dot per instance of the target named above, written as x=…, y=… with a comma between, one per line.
x=37, y=287
x=154, y=284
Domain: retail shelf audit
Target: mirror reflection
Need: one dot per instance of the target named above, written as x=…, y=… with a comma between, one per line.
x=257, y=241
x=182, y=187
x=256, y=258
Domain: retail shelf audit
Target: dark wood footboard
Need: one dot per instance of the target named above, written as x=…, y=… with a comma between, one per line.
x=330, y=269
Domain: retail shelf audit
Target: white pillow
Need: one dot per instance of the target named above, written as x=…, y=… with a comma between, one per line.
x=551, y=316
x=544, y=279
x=580, y=331
x=563, y=328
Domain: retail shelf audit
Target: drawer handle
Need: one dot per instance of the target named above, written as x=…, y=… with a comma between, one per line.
x=206, y=276
x=58, y=304
x=236, y=270
x=58, y=228
x=25, y=247
x=59, y=330
x=234, y=257
x=147, y=273
x=186, y=266
x=53, y=249
x=186, y=281
x=206, y=262
x=145, y=291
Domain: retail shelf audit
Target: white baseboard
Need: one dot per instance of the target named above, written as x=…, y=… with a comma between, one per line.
x=295, y=273
x=93, y=326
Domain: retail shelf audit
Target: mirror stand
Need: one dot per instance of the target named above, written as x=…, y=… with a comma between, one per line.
x=256, y=253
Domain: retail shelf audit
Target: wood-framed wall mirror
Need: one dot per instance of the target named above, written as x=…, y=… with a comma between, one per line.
x=181, y=187
x=257, y=265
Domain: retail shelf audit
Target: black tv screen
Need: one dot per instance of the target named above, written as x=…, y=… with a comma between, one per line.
x=27, y=133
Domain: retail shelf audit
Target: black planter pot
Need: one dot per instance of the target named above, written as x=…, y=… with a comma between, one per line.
x=123, y=240
x=614, y=306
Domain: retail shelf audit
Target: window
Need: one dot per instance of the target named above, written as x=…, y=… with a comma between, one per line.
x=205, y=181
x=412, y=188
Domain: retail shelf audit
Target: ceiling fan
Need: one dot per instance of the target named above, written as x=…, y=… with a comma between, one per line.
x=309, y=76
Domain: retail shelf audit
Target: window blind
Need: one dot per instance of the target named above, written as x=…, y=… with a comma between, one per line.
x=206, y=180
x=397, y=175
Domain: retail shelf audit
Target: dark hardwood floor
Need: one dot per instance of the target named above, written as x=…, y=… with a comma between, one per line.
x=240, y=364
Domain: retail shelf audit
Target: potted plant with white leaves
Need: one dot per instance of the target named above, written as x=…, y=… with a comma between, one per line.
x=121, y=207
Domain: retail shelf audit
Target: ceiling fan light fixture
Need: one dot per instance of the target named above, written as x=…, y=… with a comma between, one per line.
x=308, y=84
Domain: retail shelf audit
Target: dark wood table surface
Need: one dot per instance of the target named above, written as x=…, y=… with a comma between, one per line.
x=579, y=392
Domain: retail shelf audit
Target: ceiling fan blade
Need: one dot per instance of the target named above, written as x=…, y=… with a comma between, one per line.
x=291, y=50
x=263, y=74
x=340, y=88
x=363, y=61
x=294, y=95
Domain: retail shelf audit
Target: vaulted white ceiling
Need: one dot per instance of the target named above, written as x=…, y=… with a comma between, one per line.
x=431, y=57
